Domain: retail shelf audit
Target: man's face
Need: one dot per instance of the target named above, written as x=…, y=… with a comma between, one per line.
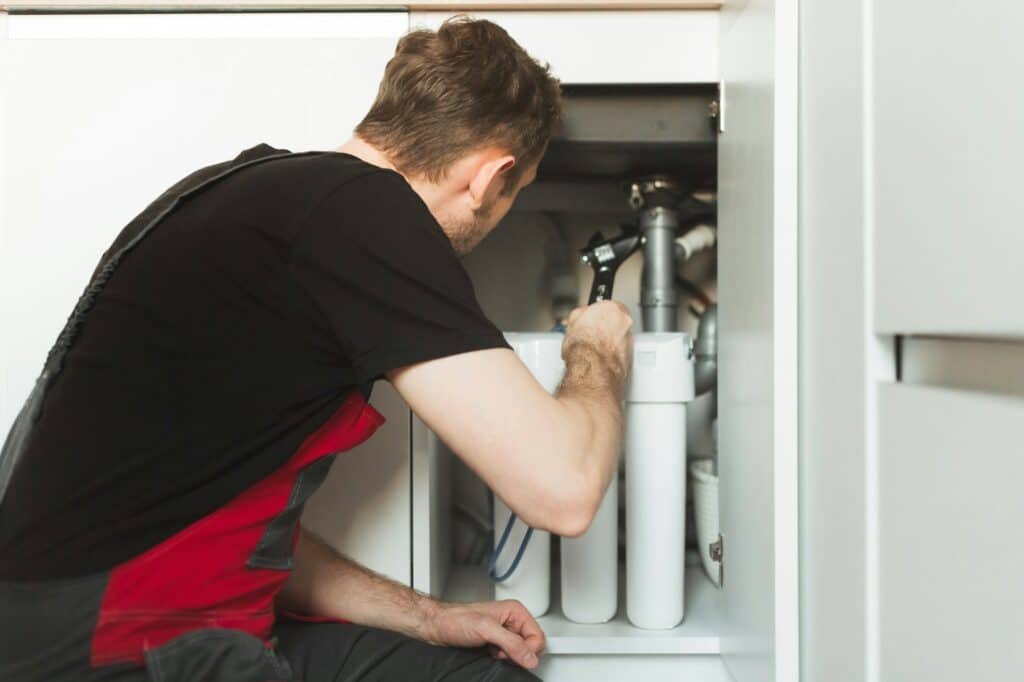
x=467, y=231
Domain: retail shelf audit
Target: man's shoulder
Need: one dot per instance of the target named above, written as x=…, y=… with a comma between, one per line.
x=328, y=173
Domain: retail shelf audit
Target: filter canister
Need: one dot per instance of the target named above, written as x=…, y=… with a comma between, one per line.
x=531, y=581
x=661, y=383
x=590, y=566
x=530, y=584
x=660, y=386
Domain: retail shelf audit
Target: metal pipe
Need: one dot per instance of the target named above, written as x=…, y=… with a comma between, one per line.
x=705, y=367
x=658, y=296
x=656, y=198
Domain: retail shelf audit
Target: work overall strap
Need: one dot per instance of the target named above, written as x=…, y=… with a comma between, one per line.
x=137, y=230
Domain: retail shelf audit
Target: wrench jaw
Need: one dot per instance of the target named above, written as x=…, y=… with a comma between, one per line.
x=605, y=256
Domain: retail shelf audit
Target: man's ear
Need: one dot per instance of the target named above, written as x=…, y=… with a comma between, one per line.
x=487, y=173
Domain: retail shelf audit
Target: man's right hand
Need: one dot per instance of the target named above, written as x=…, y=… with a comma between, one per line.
x=605, y=328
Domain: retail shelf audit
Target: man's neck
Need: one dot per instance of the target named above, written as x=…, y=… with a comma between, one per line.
x=361, y=149
x=432, y=194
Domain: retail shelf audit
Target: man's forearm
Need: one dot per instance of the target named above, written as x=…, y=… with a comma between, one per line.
x=326, y=584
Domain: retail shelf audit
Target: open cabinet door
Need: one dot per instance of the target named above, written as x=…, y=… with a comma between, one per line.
x=757, y=282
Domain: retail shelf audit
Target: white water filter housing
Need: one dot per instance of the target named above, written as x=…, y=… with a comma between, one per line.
x=660, y=385
x=590, y=562
x=531, y=582
x=590, y=565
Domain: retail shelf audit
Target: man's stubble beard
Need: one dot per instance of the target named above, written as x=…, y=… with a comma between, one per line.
x=465, y=235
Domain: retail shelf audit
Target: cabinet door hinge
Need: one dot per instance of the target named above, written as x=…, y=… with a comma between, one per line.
x=717, y=551
x=716, y=110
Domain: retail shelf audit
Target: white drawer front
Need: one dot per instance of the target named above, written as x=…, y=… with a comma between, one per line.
x=951, y=505
x=948, y=148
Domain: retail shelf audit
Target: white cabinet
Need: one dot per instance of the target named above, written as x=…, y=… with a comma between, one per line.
x=950, y=559
x=947, y=153
x=947, y=148
x=669, y=46
x=98, y=121
x=947, y=248
x=757, y=384
x=909, y=449
x=749, y=630
x=833, y=363
x=362, y=508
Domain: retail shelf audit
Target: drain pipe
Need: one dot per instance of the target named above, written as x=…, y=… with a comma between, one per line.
x=705, y=363
x=705, y=367
x=656, y=198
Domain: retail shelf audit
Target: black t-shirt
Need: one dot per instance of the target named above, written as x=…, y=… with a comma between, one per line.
x=226, y=337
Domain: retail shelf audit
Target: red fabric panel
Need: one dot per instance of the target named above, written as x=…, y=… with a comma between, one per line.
x=199, y=578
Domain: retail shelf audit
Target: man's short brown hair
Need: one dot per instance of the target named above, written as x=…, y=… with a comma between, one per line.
x=465, y=87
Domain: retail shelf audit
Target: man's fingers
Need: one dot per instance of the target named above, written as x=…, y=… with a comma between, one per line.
x=520, y=621
x=514, y=646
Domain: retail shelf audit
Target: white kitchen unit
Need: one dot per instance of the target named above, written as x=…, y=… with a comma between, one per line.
x=948, y=238
x=749, y=629
x=102, y=112
x=947, y=427
x=654, y=46
x=912, y=338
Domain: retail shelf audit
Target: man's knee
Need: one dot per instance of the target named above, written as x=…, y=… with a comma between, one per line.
x=510, y=672
x=353, y=653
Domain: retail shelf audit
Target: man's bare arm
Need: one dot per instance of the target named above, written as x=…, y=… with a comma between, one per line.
x=325, y=584
x=550, y=458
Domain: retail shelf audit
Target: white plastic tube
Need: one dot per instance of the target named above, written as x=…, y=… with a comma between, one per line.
x=696, y=240
x=660, y=386
x=590, y=566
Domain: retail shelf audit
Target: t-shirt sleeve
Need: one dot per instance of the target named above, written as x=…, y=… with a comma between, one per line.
x=385, y=276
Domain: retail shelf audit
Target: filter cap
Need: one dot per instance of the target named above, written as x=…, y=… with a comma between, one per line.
x=662, y=368
x=662, y=364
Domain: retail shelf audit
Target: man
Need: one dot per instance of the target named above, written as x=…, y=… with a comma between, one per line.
x=223, y=353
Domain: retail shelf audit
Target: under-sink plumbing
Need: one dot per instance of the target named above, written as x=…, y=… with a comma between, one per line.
x=656, y=199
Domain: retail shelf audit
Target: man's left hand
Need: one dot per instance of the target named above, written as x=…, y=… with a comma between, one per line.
x=506, y=626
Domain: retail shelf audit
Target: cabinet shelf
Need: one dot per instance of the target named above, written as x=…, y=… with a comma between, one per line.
x=697, y=634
